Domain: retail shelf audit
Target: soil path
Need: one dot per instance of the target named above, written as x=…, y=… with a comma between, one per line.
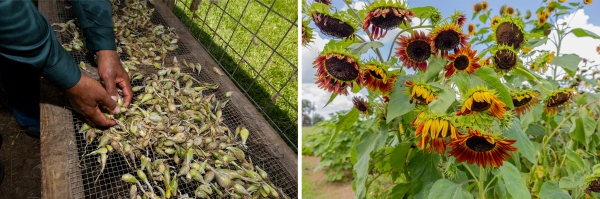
x=20, y=155
x=320, y=186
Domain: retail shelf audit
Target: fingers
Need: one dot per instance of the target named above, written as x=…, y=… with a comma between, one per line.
x=97, y=118
x=111, y=89
x=127, y=92
x=109, y=103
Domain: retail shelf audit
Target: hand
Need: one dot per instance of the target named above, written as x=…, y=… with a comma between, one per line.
x=85, y=97
x=112, y=73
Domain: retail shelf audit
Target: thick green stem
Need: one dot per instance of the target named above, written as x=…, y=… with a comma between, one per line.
x=480, y=183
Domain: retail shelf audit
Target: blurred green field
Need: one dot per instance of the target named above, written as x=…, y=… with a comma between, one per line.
x=269, y=76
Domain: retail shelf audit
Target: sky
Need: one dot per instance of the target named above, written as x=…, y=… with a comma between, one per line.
x=587, y=18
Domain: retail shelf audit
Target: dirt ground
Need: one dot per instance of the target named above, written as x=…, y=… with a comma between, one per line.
x=20, y=155
x=318, y=180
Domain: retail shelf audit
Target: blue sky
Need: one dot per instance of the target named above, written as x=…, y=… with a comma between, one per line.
x=588, y=18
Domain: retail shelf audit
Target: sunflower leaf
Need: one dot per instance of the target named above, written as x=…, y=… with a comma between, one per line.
x=515, y=132
x=484, y=17
x=491, y=79
x=446, y=189
x=399, y=155
x=550, y=189
x=423, y=12
x=575, y=159
x=514, y=182
x=345, y=121
x=400, y=190
x=433, y=69
x=580, y=32
x=462, y=81
x=362, y=48
x=423, y=169
x=369, y=142
x=331, y=98
x=445, y=98
x=399, y=100
x=569, y=62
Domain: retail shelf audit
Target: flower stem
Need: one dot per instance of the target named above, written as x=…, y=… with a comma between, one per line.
x=481, y=181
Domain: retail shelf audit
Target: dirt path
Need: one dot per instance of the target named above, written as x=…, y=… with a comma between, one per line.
x=319, y=184
x=20, y=155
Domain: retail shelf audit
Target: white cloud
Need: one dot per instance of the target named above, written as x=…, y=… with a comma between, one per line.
x=320, y=97
x=585, y=47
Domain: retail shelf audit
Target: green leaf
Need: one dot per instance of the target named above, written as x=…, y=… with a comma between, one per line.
x=446, y=189
x=484, y=17
x=483, y=31
x=550, y=190
x=535, y=130
x=445, y=99
x=399, y=100
x=584, y=128
x=515, y=132
x=491, y=78
x=569, y=62
x=580, y=32
x=462, y=81
x=398, y=158
x=400, y=190
x=434, y=67
x=331, y=98
x=346, y=121
x=572, y=181
x=514, y=182
x=423, y=12
x=423, y=170
x=574, y=158
x=341, y=44
x=535, y=42
x=369, y=142
x=362, y=48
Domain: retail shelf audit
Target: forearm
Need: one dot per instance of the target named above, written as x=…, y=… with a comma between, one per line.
x=95, y=19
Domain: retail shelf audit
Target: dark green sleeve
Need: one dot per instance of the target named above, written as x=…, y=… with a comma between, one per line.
x=27, y=37
x=95, y=19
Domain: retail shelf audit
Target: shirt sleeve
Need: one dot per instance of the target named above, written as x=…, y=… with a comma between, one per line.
x=95, y=19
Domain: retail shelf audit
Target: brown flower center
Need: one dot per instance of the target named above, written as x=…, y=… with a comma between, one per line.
x=524, y=101
x=461, y=62
x=479, y=144
x=361, y=107
x=418, y=51
x=374, y=74
x=558, y=99
x=480, y=106
x=333, y=27
x=505, y=59
x=594, y=186
x=447, y=40
x=387, y=22
x=509, y=34
x=341, y=69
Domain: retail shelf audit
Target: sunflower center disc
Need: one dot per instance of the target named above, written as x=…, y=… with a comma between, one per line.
x=505, y=59
x=340, y=69
x=374, y=74
x=509, y=34
x=479, y=144
x=418, y=50
x=333, y=27
x=447, y=40
x=461, y=62
x=390, y=21
x=524, y=101
x=361, y=107
x=558, y=99
x=594, y=186
x=480, y=106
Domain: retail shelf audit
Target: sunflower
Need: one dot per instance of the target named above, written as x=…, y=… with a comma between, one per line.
x=524, y=100
x=434, y=129
x=528, y=14
x=481, y=99
x=505, y=58
x=420, y=92
x=502, y=10
x=549, y=7
x=386, y=15
x=542, y=18
x=464, y=60
x=481, y=149
x=558, y=98
x=509, y=31
x=562, y=1
x=337, y=25
x=447, y=37
x=415, y=50
x=471, y=29
x=327, y=2
x=587, y=1
x=337, y=70
x=510, y=10
x=495, y=20
x=459, y=18
x=361, y=105
x=477, y=7
x=376, y=76
x=306, y=33
x=484, y=5
x=540, y=64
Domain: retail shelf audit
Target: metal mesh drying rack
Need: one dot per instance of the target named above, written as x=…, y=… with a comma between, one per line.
x=65, y=174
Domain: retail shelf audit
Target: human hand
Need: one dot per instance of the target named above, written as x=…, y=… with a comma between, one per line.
x=85, y=97
x=112, y=73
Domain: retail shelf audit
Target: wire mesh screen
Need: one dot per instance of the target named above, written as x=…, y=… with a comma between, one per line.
x=84, y=170
x=255, y=42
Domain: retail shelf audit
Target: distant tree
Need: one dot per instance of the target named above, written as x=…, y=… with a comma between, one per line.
x=317, y=118
x=308, y=109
